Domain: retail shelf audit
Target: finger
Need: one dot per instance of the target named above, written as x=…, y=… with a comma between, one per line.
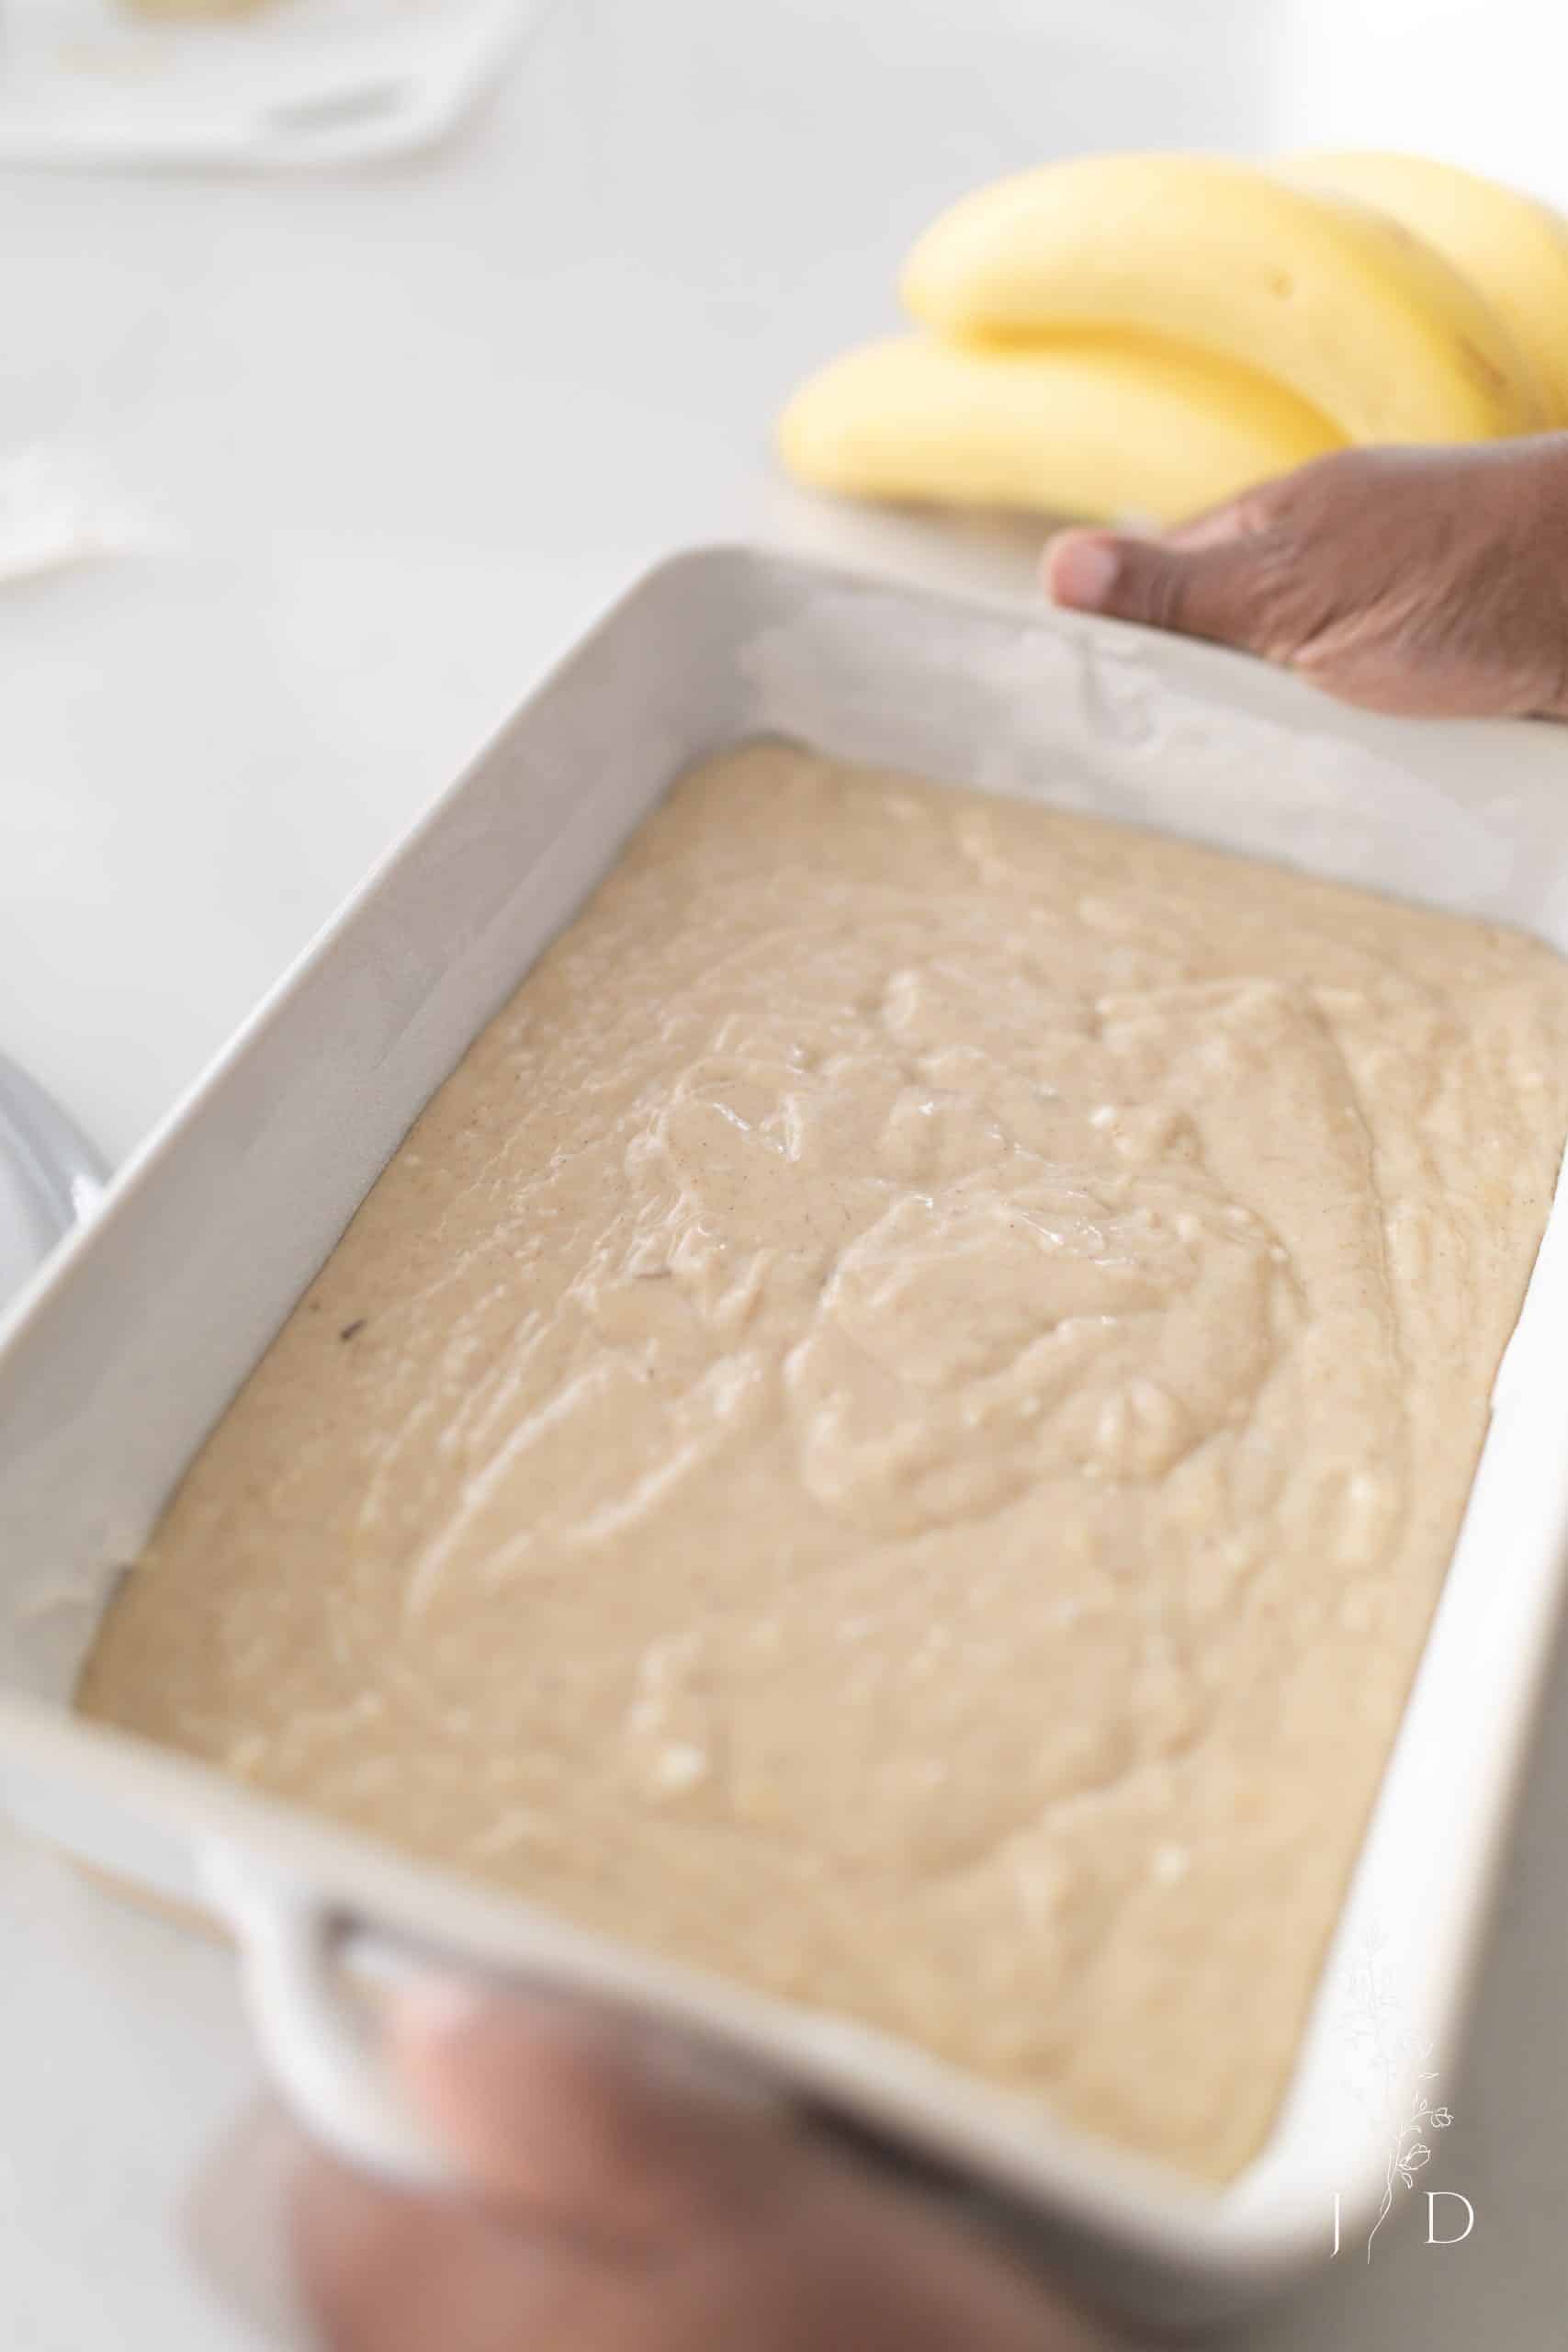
x=388, y=2270
x=583, y=2121
x=1212, y=589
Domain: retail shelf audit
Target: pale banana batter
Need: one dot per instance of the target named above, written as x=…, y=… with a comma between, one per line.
x=895, y=1429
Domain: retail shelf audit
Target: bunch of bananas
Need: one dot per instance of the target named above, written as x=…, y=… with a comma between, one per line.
x=1142, y=335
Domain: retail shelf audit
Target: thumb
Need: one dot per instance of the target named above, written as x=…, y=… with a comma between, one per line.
x=1208, y=590
x=584, y=2119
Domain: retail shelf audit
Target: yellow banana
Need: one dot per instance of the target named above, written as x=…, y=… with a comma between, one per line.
x=1094, y=426
x=1512, y=248
x=1355, y=315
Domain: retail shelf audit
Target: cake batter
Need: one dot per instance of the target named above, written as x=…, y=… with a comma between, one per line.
x=894, y=1429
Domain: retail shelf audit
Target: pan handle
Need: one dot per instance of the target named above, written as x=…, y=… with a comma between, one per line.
x=317, y=2032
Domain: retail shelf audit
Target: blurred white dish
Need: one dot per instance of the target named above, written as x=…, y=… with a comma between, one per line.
x=300, y=82
x=115, y=1366
x=49, y=1176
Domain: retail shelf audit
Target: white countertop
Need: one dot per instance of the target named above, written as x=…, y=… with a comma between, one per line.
x=382, y=443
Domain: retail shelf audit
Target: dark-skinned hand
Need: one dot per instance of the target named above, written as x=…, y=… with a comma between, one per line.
x=1432, y=581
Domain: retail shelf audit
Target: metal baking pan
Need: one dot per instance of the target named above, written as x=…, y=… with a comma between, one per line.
x=116, y=1363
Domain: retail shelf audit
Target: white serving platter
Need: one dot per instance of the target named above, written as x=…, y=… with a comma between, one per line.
x=120, y=1355
x=299, y=86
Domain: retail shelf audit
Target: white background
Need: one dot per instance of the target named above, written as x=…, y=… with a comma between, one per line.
x=384, y=441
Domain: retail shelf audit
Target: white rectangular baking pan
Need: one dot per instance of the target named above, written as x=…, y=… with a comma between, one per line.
x=128, y=1347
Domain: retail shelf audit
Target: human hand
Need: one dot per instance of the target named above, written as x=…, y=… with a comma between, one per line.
x=627, y=2197
x=1431, y=581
